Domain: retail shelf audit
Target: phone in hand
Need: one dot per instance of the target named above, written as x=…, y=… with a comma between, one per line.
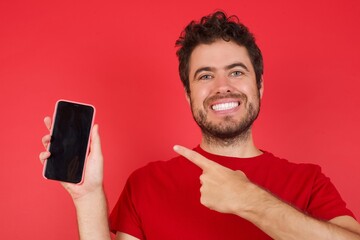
x=70, y=139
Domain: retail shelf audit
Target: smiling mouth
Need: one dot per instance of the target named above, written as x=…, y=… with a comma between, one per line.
x=225, y=106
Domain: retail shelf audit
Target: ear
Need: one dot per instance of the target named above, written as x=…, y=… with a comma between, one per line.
x=261, y=90
x=187, y=96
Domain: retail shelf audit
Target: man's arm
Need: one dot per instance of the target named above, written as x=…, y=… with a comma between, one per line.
x=89, y=197
x=92, y=215
x=124, y=236
x=347, y=222
x=228, y=191
x=282, y=221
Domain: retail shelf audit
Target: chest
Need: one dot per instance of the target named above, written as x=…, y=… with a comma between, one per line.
x=172, y=210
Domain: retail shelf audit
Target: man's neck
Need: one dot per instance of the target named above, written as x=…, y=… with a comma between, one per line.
x=242, y=148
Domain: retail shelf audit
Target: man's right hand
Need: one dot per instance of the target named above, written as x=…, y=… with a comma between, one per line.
x=93, y=178
x=89, y=197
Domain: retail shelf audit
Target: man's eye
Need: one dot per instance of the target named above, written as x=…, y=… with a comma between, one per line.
x=236, y=73
x=205, y=77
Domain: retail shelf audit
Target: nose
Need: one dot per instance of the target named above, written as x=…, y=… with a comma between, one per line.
x=223, y=85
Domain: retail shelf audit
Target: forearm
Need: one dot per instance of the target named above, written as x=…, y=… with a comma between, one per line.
x=92, y=216
x=282, y=221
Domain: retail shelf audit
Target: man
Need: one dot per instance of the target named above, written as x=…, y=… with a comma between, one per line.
x=226, y=188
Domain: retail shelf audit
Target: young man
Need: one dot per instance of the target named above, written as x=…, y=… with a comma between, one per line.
x=226, y=188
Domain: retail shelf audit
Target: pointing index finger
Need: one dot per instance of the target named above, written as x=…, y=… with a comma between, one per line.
x=194, y=157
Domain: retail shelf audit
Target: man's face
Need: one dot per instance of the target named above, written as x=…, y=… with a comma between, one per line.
x=224, y=96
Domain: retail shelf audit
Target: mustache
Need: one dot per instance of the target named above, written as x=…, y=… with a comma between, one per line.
x=216, y=97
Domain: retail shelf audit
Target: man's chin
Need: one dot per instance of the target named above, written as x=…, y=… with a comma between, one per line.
x=223, y=132
x=225, y=138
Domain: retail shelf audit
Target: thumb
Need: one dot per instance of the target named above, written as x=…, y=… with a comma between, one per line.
x=95, y=146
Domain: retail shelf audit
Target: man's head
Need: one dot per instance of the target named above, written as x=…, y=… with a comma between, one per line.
x=210, y=29
x=221, y=69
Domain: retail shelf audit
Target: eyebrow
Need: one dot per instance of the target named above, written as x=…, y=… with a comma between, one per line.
x=211, y=69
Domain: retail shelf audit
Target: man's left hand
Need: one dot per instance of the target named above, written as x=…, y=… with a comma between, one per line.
x=222, y=189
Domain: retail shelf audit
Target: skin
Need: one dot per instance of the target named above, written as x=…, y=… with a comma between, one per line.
x=223, y=189
x=224, y=69
x=89, y=197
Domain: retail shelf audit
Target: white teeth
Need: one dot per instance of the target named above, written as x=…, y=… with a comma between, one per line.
x=225, y=106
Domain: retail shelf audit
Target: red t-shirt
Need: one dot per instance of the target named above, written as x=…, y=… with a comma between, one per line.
x=162, y=199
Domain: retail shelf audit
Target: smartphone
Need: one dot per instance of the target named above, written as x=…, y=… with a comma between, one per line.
x=69, y=144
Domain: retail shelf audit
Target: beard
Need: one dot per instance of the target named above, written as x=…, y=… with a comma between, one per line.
x=229, y=130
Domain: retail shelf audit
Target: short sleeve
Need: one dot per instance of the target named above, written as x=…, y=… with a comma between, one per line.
x=124, y=217
x=325, y=201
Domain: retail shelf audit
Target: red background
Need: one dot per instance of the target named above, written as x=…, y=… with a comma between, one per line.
x=120, y=56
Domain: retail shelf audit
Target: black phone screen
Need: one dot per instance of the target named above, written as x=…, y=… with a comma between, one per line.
x=69, y=141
